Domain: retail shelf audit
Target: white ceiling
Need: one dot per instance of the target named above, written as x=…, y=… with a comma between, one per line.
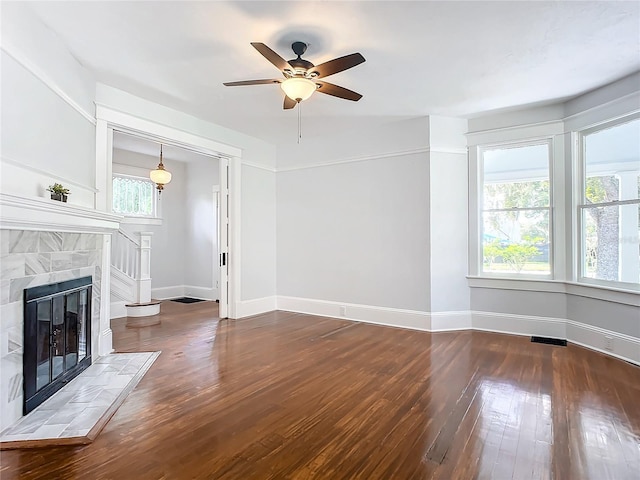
x=423, y=57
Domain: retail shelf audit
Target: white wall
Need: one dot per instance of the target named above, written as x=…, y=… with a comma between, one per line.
x=47, y=134
x=356, y=232
x=258, y=222
x=527, y=303
x=169, y=239
x=448, y=203
x=611, y=316
x=358, y=138
x=376, y=216
x=448, y=213
x=201, y=244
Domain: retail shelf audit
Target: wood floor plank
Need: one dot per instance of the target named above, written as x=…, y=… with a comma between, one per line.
x=291, y=396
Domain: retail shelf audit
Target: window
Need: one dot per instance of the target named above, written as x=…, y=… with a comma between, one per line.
x=133, y=196
x=609, y=211
x=516, y=210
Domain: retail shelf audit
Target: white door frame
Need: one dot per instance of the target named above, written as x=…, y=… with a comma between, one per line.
x=223, y=239
x=108, y=119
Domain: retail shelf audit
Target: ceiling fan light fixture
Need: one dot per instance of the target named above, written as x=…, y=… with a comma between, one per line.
x=298, y=88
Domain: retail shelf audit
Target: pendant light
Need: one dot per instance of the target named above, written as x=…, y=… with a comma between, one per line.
x=160, y=176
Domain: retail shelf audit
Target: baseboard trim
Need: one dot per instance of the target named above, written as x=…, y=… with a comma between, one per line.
x=618, y=345
x=391, y=317
x=118, y=309
x=167, y=293
x=202, y=293
x=248, y=308
x=450, y=321
x=622, y=346
x=519, y=324
x=177, y=291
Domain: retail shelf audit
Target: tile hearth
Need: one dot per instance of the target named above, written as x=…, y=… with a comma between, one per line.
x=77, y=413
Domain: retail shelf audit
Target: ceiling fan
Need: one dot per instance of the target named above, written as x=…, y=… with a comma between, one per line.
x=301, y=77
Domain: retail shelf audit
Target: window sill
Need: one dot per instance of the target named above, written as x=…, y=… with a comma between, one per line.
x=142, y=221
x=600, y=292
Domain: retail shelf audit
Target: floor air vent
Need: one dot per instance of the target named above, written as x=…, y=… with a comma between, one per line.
x=549, y=341
x=187, y=300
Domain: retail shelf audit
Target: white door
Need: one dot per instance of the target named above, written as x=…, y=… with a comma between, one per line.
x=223, y=238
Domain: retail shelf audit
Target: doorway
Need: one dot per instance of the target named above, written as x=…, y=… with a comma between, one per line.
x=228, y=157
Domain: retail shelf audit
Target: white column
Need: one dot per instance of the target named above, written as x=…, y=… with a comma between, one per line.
x=105, y=338
x=629, y=259
x=144, y=267
x=448, y=216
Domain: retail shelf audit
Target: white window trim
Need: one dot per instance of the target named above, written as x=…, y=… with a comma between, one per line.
x=480, y=149
x=579, y=183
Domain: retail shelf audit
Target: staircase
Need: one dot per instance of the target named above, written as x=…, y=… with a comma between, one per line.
x=130, y=278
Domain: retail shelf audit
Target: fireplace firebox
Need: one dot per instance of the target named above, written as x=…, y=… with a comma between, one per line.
x=57, y=337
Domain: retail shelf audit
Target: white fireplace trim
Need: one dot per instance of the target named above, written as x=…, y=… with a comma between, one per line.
x=21, y=213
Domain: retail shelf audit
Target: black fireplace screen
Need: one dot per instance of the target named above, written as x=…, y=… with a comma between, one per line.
x=57, y=337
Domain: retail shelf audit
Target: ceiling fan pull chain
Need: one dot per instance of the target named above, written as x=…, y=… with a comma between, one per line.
x=299, y=122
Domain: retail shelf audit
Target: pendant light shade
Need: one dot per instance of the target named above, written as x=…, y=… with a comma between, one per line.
x=298, y=88
x=160, y=176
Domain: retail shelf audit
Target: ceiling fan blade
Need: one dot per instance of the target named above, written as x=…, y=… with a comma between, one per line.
x=337, y=65
x=336, y=91
x=251, y=82
x=272, y=56
x=288, y=103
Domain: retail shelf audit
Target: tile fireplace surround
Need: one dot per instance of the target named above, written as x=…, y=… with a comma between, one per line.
x=28, y=259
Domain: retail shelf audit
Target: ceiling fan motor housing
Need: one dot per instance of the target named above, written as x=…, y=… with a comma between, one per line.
x=299, y=48
x=300, y=65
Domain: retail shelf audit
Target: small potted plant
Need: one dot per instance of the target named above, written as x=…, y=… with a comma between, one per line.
x=58, y=192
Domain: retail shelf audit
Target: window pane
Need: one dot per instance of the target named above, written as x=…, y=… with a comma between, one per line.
x=516, y=164
x=516, y=242
x=516, y=239
x=516, y=195
x=613, y=152
x=610, y=232
x=132, y=196
x=602, y=189
x=611, y=245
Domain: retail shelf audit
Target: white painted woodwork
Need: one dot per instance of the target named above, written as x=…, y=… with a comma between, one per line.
x=144, y=267
x=223, y=239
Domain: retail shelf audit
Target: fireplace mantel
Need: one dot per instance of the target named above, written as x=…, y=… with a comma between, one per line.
x=42, y=214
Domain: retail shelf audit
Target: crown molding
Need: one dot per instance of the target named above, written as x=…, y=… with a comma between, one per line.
x=378, y=156
x=261, y=167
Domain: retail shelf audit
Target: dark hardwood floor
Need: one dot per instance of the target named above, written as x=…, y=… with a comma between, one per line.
x=289, y=396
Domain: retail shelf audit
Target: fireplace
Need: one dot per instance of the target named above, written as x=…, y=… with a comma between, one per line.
x=57, y=337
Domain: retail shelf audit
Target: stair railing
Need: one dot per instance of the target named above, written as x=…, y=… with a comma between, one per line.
x=133, y=258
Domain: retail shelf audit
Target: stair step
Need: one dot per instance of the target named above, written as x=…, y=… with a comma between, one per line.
x=152, y=302
x=146, y=309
